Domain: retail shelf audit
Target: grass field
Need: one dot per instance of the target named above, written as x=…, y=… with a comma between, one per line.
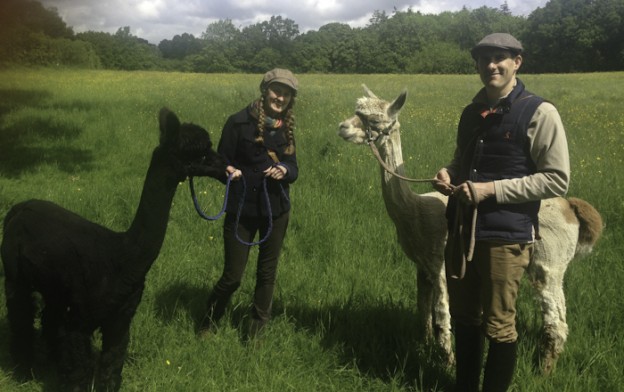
x=345, y=312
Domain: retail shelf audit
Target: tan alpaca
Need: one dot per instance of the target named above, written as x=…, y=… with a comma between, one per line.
x=568, y=227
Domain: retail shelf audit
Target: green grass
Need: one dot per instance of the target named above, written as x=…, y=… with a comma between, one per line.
x=345, y=311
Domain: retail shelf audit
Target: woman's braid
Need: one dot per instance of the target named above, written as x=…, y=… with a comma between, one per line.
x=261, y=121
x=290, y=130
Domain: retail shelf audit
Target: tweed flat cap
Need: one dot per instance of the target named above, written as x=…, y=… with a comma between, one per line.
x=279, y=75
x=497, y=40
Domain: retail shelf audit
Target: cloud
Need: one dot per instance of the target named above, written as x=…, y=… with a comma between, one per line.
x=156, y=20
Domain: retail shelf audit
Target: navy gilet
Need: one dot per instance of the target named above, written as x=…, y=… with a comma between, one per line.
x=495, y=146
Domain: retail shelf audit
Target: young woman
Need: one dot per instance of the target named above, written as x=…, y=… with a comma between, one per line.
x=259, y=146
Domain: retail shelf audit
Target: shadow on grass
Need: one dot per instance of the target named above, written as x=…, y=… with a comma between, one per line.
x=383, y=341
x=33, y=142
x=11, y=99
x=182, y=297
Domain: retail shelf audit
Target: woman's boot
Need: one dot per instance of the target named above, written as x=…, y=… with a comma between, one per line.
x=215, y=310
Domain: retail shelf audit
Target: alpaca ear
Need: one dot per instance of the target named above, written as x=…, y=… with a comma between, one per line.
x=398, y=103
x=368, y=91
x=169, y=126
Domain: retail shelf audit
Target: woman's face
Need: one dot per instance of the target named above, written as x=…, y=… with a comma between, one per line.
x=277, y=99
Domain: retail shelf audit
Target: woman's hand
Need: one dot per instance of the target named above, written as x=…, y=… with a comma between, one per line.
x=276, y=172
x=234, y=172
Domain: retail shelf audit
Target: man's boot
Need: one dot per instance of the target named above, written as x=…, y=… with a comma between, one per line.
x=500, y=367
x=468, y=357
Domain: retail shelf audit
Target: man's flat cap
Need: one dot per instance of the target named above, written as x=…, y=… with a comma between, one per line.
x=498, y=41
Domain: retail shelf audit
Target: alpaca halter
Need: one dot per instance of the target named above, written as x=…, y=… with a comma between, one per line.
x=385, y=131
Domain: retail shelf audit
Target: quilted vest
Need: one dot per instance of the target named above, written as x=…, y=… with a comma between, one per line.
x=496, y=147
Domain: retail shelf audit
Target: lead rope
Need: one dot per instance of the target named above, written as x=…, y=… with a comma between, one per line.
x=458, y=221
x=196, y=203
x=473, y=222
x=466, y=255
x=371, y=143
x=240, y=207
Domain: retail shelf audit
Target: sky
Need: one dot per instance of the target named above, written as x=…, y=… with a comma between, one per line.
x=157, y=20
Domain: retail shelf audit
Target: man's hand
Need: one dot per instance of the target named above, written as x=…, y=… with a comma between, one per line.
x=479, y=192
x=443, y=183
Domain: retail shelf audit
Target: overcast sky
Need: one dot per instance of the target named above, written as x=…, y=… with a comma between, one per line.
x=155, y=20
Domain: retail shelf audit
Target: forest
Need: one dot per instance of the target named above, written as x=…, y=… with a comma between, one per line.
x=564, y=36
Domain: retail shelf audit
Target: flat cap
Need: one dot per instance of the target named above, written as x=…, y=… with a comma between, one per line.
x=499, y=41
x=279, y=75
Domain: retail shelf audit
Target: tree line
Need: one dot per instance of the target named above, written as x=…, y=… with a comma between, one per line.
x=563, y=36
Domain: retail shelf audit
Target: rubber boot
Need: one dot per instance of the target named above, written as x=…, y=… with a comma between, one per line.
x=469, y=342
x=215, y=310
x=256, y=328
x=500, y=367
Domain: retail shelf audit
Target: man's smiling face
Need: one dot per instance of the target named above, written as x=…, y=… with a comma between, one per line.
x=497, y=69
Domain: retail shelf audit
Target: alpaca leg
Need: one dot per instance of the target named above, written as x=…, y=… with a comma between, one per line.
x=51, y=328
x=555, y=331
x=425, y=303
x=76, y=364
x=115, y=339
x=442, y=318
x=20, y=312
x=549, y=285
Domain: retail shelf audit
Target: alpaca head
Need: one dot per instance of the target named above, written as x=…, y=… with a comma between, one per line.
x=374, y=118
x=190, y=146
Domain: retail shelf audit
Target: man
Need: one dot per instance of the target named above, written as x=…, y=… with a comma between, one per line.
x=511, y=152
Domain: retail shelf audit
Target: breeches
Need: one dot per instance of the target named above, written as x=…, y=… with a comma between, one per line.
x=237, y=254
x=487, y=294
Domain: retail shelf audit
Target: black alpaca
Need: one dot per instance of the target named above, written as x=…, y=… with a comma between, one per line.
x=88, y=276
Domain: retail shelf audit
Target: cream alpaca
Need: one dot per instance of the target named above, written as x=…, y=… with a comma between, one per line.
x=568, y=227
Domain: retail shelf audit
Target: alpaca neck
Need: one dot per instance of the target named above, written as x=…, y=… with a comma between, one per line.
x=396, y=192
x=147, y=231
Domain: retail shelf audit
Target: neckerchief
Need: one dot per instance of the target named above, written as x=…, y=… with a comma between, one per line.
x=269, y=122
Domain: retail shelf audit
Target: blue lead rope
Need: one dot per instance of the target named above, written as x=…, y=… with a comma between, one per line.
x=240, y=207
x=196, y=203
